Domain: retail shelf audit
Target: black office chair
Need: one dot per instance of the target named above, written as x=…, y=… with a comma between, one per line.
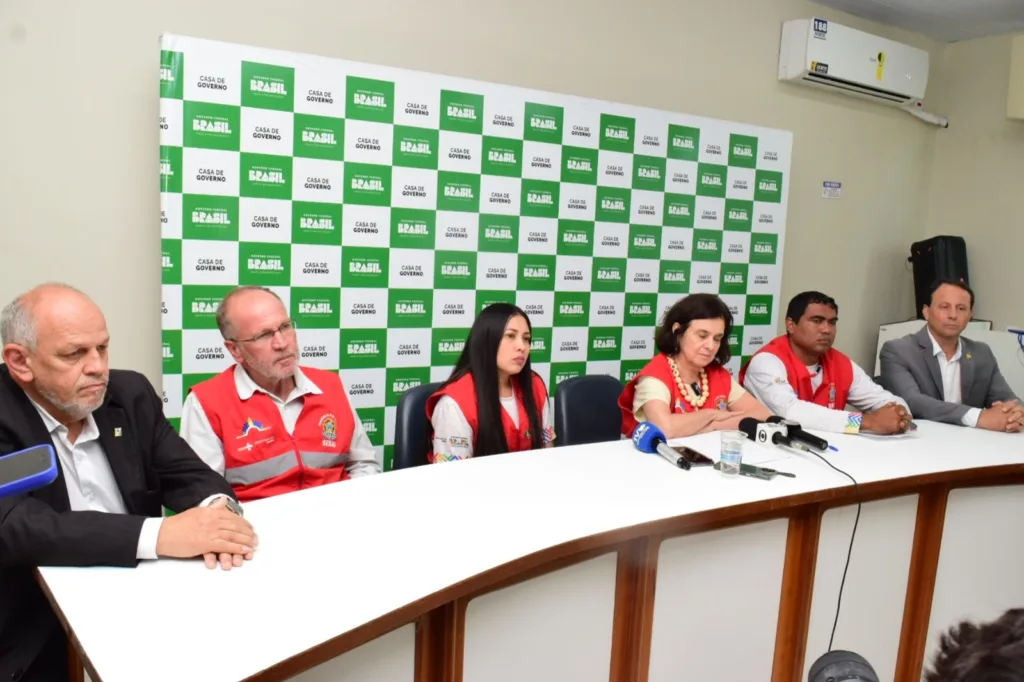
x=587, y=410
x=411, y=442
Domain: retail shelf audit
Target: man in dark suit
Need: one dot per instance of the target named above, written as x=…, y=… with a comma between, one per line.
x=120, y=463
x=945, y=377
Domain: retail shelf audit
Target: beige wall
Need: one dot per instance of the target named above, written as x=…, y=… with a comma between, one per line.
x=977, y=187
x=78, y=134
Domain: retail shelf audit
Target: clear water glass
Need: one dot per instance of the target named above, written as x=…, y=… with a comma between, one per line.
x=732, y=452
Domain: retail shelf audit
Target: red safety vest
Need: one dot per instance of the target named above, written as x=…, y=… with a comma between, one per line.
x=719, y=387
x=260, y=458
x=836, y=374
x=463, y=392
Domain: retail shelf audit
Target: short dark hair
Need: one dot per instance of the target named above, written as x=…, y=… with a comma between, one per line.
x=685, y=311
x=798, y=304
x=990, y=652
x=960, y=284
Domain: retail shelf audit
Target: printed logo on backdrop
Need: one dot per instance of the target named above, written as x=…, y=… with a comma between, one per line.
x=759, y=310
x=415, y=147
x=711, y=180
x=739, y=215
x=536, y=273
x=644, y=242
x=499, y=233
x=742, y=151
x=266, y=86
x=171, y=351
x=170, y=169
x=640, y=310
x=617, y=133
x=539, y=199
x=264, y=264
x=410, y=308
x=735, y=341
x=447, y=346
x=400, y=380
x=172, y=68
x=562, y=371
x=768, y=186
x=763, y=248
x=674, y=277
x=613, y=205
x=412, y=229
x=608, y=275
x=579, y=165
x=733, y=278
x=679, y=210
x=683, y=143
x=543, y=123
x=502, y=156
x=171, y=260
x=575, y=238
x=372, y=419
x=364, y=267
x=212, y=126
x=604, y=343
x=572, y=309
x=458, y=191
x=629, y=369
x=462, y=112
x=540, y=345
x=319, y=137
x=367, y=184
x=368, y=99
x=455, y=270
x=312, y=223
x=363, y=348
x=316, y=308
x=649, y=173
x=707, y=246
x=265, y=176
x=199, y=305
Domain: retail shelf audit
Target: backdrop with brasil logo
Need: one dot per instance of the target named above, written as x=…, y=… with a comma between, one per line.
x=387, y=207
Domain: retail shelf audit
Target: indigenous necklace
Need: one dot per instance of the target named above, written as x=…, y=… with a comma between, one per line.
x=689, y=396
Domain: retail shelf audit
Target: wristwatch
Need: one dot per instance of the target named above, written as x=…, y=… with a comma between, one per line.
x=233, y=506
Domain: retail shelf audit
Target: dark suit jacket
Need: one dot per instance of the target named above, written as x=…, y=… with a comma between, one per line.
x=153, y=467
x=911, y=371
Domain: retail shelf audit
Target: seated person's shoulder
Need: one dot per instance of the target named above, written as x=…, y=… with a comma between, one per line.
x=128, y=386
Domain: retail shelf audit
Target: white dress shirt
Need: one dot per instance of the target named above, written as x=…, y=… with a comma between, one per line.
x=453, y=436
x=767, y=379
x=89, y=479
x=196, y=429
x=949, y=368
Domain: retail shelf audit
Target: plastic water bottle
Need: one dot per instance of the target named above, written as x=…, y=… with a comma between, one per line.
x=732, y=453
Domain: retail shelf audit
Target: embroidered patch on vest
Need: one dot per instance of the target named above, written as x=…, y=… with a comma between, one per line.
x=832, y=396
x=721, y=403
x=329, y=427
x=251, y=425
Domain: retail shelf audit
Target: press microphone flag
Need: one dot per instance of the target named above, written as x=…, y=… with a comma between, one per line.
x=27, y=470
x=774, y=433
x=649, y=438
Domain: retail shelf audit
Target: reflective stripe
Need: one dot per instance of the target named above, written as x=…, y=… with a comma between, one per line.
x=257, y=472
x=323, y=460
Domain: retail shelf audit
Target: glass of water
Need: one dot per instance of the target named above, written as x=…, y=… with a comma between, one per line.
x=732, y=452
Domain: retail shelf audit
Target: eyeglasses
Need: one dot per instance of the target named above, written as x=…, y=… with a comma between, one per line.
x=285, y=329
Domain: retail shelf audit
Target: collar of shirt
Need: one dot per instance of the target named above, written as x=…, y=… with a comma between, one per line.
x=89, y=432
x=246, y=387
x=936, y=349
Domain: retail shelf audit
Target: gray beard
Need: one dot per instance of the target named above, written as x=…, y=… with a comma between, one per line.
x=74, y=411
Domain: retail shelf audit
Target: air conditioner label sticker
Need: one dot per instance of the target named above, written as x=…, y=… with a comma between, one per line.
x=820, y=29
x=881, y=66
x=819, y=67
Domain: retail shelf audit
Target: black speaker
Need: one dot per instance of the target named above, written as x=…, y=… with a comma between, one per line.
x=934, y=259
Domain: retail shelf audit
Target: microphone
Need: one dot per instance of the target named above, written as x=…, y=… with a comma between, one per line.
x=841, y=665
x=774, y=433
x=648, y=438
x=27, y=470
x=796, y=433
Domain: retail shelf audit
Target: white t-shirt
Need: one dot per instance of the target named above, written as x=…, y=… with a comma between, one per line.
x=453, y=436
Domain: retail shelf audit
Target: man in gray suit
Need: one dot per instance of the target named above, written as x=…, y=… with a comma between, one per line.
x=945, y=377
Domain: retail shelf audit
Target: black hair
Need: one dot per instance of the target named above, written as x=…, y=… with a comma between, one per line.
x=960, y=284
x=798, y=304
x=480, y=359
x=685, y=311
x=990, y=652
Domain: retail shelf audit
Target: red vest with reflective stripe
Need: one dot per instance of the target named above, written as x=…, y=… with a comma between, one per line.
x=463, y=392
x=260, y=458
x=719, y=387
x=836, y=374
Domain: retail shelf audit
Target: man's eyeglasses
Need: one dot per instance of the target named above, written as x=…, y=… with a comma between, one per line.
x=262, y=339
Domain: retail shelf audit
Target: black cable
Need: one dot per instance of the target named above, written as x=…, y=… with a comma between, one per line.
x=849, y=552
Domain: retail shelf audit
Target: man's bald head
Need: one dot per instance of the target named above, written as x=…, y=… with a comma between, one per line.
x=55, y=345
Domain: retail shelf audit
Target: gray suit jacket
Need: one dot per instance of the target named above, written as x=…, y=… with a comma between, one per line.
x=911, y=371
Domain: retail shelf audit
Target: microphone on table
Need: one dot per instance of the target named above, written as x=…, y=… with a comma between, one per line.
x=774, y=433
x=649, y=438
x=27, y=470
x=841, y=665
x=797, y=433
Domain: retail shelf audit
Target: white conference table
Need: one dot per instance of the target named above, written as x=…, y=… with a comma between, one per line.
x=581, y=563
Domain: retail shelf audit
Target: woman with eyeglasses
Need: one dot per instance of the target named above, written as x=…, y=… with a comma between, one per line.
x=493, y=402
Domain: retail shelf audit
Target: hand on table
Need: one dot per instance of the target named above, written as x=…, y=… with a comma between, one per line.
x=887, y=420
x=1003, y=416
x=214, y=532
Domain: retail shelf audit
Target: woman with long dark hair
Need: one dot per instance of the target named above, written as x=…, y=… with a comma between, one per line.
x=493, y=402
x=686, y=389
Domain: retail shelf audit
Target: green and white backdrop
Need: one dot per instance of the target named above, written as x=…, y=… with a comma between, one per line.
x=387, y=207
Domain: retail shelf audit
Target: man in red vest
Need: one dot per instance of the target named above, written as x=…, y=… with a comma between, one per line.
x=800, y=376
x=267, y=424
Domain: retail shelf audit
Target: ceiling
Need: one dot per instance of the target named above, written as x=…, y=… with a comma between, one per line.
x=945, y=20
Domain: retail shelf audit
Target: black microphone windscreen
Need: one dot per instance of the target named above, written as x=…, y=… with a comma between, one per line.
x=775, y=419
x=748, y=425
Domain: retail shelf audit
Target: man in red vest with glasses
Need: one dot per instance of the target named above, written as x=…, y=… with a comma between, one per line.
x=265, y=423
x=800, y=376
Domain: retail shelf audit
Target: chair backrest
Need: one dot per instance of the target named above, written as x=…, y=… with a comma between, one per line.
x=411, y=442
x=587, y=410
